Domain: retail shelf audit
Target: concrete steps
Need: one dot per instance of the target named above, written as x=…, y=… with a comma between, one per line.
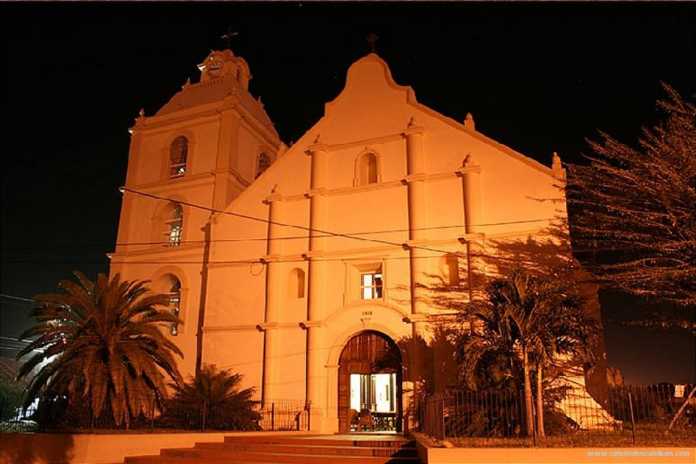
x=300, y=450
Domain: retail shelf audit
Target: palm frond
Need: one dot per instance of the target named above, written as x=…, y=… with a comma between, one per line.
x=101, y=346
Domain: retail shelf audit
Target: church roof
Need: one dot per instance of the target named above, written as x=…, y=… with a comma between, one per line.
x=213, y=91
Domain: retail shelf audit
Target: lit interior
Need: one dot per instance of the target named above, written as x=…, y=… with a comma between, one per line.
x=374, y=392
x=371, y=285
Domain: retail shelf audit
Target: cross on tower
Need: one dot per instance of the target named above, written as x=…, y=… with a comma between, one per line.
x=372, y=40
x=228, y=36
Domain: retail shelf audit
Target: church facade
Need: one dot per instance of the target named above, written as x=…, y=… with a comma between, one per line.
x=311, y=269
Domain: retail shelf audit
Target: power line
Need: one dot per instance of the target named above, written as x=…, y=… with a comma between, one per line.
x=293, y=260
x=16, y=298
x=300, y=237
x=320, y=234
x=277, y=223
x=241, y=261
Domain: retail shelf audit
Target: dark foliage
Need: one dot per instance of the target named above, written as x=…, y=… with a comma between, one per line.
x=635, y=207
x=557, y=423
x=98, y=352
x=11, y=396
x=212, y=400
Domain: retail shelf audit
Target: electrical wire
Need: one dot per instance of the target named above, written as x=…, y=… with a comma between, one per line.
x=16, y=298
x=300, y=237
x=291, y=260
x=319, y=234
x=278, y=223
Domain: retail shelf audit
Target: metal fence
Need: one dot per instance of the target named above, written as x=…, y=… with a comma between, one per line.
x=501, y=413
x=649, y=403
x=472, y=413
x=276, y=415
x=285, y=415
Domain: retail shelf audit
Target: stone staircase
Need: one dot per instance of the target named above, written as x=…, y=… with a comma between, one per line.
x=318, y=449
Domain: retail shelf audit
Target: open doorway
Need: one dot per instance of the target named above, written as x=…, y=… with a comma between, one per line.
x=373, y=397
x=369, y=386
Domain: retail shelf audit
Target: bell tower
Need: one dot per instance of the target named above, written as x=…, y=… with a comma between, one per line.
x=203, y=147
x=224, y=63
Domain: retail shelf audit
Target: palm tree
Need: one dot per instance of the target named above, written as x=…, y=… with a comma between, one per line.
x=486, y=352
x=529, y=321
x=98, y=344
x=499, y=332
x=213, y=400
x=554, y=327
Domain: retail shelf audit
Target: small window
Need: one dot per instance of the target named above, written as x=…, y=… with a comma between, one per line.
x=367, y=169
x=263, y=164
x=451, y=269
x=174, y=225
x=371, y=285
x=174, y=302
x=178, y=154
x=296, y=285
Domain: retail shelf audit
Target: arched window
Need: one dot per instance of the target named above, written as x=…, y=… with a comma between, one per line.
x=178, y=153
x=173, y=287
x=296, y=285
x=173, y=224
x=367, y=169
x=450, y=265
x=262, y=165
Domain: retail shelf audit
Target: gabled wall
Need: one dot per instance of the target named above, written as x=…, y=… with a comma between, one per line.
x=443, y=189
x=372, y=114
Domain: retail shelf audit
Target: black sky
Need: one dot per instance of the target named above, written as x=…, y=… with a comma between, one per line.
x=538, y=77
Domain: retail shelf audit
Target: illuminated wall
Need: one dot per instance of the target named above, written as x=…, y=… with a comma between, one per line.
x=388, y=188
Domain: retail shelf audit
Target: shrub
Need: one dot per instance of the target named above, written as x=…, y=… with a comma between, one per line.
x=557, y=423
x=11, y=396
x=212, y=400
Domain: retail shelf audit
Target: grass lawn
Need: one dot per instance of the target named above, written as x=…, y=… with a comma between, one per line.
x=645, y=436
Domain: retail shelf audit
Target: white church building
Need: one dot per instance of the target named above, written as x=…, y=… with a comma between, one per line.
x=307, y=268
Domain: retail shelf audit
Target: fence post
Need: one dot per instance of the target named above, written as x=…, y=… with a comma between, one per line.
x=91, y=418
x=681, y=409
x=204, y=411
x=442, y=418
x=273, y=416
x=633, y=421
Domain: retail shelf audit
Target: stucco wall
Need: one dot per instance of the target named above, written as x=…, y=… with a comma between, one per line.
x=44, y=448
x=515, y=198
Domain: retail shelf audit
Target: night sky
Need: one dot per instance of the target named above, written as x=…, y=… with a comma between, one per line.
x=538, y=77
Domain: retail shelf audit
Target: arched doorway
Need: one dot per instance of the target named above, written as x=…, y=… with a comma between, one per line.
x=369, y=384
